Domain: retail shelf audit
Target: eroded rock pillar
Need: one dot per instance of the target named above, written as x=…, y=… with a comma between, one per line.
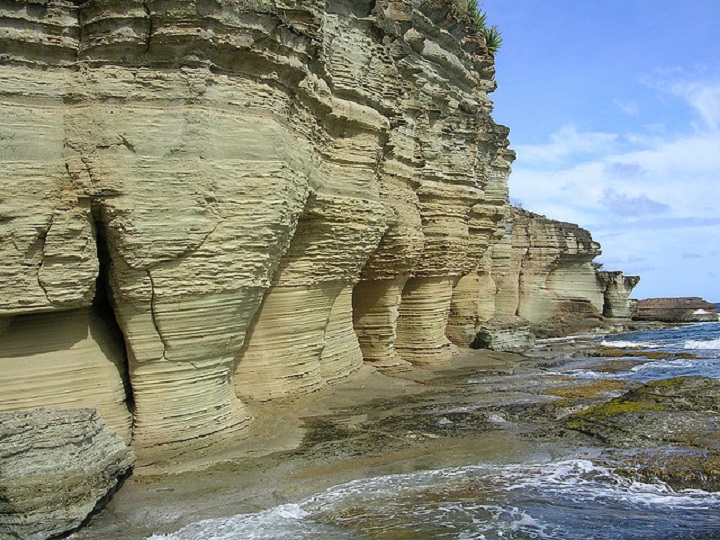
x=463, y=314
x=311, y=293
x=425, y=306
x=285, y=342
x=424, y=312
x=474, y=295
x=375, y=314
x=617, y=289
x=341, y=355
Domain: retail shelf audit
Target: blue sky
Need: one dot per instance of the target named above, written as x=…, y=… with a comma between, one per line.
x=614, y=112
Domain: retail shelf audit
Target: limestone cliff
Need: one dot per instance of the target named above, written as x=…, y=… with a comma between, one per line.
x=216, y=202
x=616, y=289
x=542, y=273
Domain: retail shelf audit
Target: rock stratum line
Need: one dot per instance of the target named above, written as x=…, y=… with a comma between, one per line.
x=210, y=203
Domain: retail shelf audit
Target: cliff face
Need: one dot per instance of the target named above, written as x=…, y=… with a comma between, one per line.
x=616, y=290
x=215, y=201
x=542, y=272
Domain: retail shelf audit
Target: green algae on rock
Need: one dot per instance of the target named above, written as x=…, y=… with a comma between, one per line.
x=669, y=430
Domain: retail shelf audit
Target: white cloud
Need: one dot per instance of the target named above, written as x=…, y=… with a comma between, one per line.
x=624, y=169
x=704, y=98
x=681, y=176
x=566, y=142
x=649, y=206
x=697, y=88
x=624, y=205
x=630, y=108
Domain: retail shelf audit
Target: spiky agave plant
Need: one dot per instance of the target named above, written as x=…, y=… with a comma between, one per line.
x=479, y=18
x=493, y=38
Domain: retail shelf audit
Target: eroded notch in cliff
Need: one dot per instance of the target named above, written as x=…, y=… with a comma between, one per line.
x=103, y=303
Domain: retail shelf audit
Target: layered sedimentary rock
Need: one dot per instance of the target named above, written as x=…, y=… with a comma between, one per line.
x=473, y=299
x=555, y=272
x=69, y=359
x=228, y=172
x=545, y=274
x=56, y=465
x=511, y=334
x=537, y=272
x=213, y=202
x=184, y=181
x=433, y=182
x=617, y=288
x=677, y=310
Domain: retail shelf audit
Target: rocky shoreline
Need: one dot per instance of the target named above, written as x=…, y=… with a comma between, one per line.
x=252, y=237
x=484, y=407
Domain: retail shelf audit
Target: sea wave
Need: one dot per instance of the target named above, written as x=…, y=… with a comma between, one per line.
x=654, y=370
x=702, y=344
x=566, y=499
x=629, y=344
x=285, y=522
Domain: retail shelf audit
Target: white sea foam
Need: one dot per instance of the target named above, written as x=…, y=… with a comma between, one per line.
x=629, y=344
x=584, y=374
x=666, y=365
x=705, y=344
x=547, y=500
x=285, y=522
x=584, y=482
x=572, y=339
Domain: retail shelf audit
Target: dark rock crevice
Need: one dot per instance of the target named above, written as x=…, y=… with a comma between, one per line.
x=103, y=303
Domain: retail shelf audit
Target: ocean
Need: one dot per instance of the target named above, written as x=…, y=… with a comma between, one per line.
x=701, y=340
x=564, y=499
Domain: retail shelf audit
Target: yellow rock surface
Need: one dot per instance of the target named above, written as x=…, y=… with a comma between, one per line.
x=264, y=193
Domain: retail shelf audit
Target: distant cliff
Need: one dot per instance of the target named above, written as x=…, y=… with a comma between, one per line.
x=215, y=201
x=677, y=310
x=540, y=273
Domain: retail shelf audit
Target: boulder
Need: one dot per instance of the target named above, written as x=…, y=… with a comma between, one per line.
x=509, y=334
x=56, y=467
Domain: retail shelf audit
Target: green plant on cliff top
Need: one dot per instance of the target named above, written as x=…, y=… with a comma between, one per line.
x=472, y=13
x=493, y=38
x=479, y=18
